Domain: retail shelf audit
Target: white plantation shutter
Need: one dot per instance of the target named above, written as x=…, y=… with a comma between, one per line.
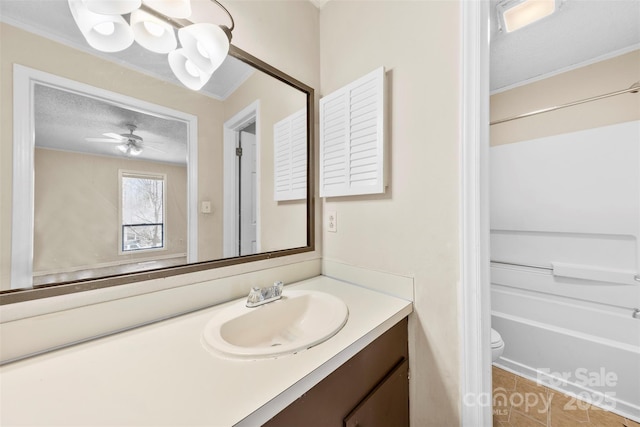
x=352, y=138
x=290, y=157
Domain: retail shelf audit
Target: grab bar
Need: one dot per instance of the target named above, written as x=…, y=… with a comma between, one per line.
x=587, y=272
x=521, y=265
x=583, y=272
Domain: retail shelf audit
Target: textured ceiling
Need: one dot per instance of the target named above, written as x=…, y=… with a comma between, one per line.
x=581, y=31
x=69, y=121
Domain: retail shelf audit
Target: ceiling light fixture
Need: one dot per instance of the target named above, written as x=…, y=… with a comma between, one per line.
x=152, y=24
x=515, y=14
x=130, y=148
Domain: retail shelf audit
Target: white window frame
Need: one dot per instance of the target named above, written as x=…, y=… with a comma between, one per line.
x=122, y=173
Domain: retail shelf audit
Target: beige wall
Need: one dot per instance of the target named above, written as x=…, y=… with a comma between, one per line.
x=596, y=79
x=77, y=222
x=413, y=228
x=284, y=224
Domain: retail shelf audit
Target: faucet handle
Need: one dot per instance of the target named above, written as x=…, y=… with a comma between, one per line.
x=277, y=287
x=255, y=295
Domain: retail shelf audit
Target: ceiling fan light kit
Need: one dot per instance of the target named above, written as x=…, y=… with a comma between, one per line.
x=152, y=24
x=129, y=144
x=130, y=148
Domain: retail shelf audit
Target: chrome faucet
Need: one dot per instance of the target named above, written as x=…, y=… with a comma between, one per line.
x=259, y=296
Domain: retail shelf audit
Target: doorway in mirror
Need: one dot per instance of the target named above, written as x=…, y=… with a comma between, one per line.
x=247, y=203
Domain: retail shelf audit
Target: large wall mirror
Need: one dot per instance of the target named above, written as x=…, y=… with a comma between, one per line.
x=120, y=174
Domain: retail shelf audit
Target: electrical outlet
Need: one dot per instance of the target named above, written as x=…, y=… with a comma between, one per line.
x=332, y=222
x=205, y=208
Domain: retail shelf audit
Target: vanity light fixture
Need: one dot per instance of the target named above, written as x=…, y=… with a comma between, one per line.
x=515, y=14
x=152, y=24
x=152, y=33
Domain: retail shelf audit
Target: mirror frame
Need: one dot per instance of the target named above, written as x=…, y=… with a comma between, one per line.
x=63, y=288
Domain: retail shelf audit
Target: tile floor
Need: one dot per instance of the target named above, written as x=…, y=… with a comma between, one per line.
x=520, y=402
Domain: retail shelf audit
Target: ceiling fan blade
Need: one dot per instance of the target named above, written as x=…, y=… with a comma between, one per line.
x=154, y=148
x=118, y=141
x=116, y=136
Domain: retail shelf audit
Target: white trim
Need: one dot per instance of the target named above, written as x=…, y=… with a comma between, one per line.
x=142, y=260
x=474, y=291
x=24, y=80
x=192, y=190
x=230, y=176
x=23, y=167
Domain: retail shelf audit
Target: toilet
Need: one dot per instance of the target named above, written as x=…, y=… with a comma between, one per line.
x=497, y=345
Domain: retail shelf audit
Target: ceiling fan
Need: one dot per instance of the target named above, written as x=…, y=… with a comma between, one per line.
x=128, y=143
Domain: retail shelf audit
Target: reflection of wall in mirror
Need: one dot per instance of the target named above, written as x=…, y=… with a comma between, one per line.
x=286, y=221
x=76, y=221
x=20, y=47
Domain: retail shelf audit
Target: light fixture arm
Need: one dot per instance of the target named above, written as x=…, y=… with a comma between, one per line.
x=233, y=24
x=175, y=23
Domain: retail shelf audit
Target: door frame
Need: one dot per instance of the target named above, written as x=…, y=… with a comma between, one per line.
x=230, y=177
x=24, y=81
x=474, y=289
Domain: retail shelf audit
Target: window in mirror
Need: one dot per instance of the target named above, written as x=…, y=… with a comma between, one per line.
x=143, y=211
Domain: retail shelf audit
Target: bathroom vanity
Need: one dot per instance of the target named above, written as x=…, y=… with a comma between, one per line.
x=163, y=374
x=371, y=389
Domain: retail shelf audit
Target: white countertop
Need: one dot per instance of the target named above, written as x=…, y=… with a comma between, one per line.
x=161, y=374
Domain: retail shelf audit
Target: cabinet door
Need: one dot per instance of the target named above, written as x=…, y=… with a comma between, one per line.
x=332, y=399
x=388, y=403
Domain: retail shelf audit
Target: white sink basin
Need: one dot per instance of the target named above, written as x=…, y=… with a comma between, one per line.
x=297, y=321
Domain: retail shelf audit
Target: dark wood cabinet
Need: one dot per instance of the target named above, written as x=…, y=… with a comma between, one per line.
x=371, y=389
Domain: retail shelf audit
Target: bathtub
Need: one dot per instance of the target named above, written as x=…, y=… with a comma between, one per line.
x=565, y=228
x=575, y=345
